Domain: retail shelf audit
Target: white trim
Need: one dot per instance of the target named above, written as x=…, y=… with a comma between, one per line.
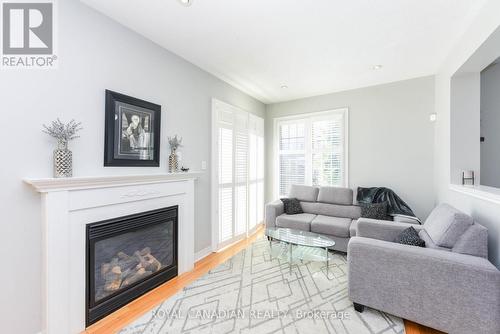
x=91, y=182
x=214, y=180
x=485, y=193
x=202, y=253
x=275, y=159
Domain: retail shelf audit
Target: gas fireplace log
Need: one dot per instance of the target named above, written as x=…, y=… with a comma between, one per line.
x=136, y=276
x=147, y=260
x=124, y=270
x=113, y=279
x=126, y=262
x=122, y=260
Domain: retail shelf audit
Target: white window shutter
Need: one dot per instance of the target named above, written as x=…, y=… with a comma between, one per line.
x=225, y=184
x=240, y=172
x=292, y=162
x=327, y=151
x=312, y=150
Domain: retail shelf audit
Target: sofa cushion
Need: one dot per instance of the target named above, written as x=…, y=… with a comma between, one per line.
x=353, y=228
x=291, y=206
x=335, y=195
x=334, y=210
x=374, y=210
x=428, y=241
x=446, y=224
x=331, y=225
x=473, y=242
x=410, y=237
x=301, y=221
x=304, y=193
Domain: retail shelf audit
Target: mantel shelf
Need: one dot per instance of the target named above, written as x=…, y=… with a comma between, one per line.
x=88, y=182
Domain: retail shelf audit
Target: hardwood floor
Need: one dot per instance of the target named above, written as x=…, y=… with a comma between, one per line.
x=413, y=328
x=127, y=314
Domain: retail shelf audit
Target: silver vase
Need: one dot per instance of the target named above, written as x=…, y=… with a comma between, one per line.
x=63, y=160
x=173, y=163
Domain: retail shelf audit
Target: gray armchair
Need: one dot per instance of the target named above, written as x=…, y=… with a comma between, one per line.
x=449, y=285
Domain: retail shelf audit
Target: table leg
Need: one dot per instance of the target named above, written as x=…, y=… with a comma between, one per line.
x=290, y=262
x=327, y=262
x=270, y=248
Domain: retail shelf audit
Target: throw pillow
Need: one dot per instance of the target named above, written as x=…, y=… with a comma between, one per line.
x=410, y=236
x=374, y=210
x=292, y=206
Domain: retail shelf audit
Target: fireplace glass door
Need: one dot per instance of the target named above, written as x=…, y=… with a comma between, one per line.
x=130, y=255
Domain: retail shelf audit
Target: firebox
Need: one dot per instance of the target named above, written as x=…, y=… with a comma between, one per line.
x=128, y=256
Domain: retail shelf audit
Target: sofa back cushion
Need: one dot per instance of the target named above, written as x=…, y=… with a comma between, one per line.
x=446, y=224
x=333, y=210
x=473, y=242
x=428, y=241
x=304, y=193
x=335, y=195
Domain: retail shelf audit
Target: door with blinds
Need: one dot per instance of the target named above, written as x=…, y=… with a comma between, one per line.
x=237, y=173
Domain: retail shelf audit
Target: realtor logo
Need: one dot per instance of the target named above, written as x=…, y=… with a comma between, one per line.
x=28, y=35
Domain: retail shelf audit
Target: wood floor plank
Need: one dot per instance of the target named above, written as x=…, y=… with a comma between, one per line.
x=135, y=309
x=414, y=328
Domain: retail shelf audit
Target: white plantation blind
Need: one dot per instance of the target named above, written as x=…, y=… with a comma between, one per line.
x=327, y=163
x=256, y=171
x=311, y=150
x=225, y=184
x=240, y=172
x=292, y=153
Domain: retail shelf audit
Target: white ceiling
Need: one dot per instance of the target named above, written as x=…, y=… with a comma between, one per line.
x=313, y=47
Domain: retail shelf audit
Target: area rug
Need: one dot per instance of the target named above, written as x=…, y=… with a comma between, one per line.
x=255, y=293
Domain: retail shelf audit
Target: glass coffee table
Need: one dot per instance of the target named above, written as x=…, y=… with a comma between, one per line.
x=307, y=244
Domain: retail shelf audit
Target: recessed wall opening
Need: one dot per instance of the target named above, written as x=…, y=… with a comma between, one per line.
x=490, y=125
x=475, y=119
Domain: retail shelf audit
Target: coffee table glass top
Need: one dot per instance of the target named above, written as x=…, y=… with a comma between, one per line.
x=298, y=237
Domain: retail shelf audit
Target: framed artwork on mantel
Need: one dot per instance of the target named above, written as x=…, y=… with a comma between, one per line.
x=132, y=132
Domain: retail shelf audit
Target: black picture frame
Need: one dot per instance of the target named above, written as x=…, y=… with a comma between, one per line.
x=132, y=132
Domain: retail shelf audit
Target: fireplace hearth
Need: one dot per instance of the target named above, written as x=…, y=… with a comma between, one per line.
x=127, y=257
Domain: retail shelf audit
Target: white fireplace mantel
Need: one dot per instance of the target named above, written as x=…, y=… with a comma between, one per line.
x=86, y=182
x=69, y=204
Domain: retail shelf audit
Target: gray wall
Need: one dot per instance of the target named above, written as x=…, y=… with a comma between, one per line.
x=490, y=126
x=483, y=210
x=465, y=133
x=390, y=137
x=95, y=54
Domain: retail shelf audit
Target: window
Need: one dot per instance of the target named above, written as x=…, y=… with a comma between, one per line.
x=311, y=149
x=238, y=173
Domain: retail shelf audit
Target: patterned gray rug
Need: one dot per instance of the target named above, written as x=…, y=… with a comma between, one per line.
x=252, y=293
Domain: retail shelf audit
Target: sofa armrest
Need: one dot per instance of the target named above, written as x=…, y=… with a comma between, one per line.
x=452, y=292
x=382, y=229
x=273, y=210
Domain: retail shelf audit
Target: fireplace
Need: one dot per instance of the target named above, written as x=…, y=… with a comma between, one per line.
x=128, y=256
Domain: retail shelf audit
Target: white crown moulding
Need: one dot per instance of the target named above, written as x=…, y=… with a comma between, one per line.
x=88, y=182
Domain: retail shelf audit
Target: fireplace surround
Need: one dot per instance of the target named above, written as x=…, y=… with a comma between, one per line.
x=127, y=257
x=69, y=205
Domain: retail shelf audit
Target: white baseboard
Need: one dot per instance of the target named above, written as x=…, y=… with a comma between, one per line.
x=202, y=253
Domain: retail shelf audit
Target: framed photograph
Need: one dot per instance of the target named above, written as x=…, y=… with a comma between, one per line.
x=132, y=131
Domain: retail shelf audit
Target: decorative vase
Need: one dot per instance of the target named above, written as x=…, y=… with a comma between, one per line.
x=63, y=160
x=173, y=163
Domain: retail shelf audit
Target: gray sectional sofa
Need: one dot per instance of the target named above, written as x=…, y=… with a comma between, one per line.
x=448, y=285
x=327, y=210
